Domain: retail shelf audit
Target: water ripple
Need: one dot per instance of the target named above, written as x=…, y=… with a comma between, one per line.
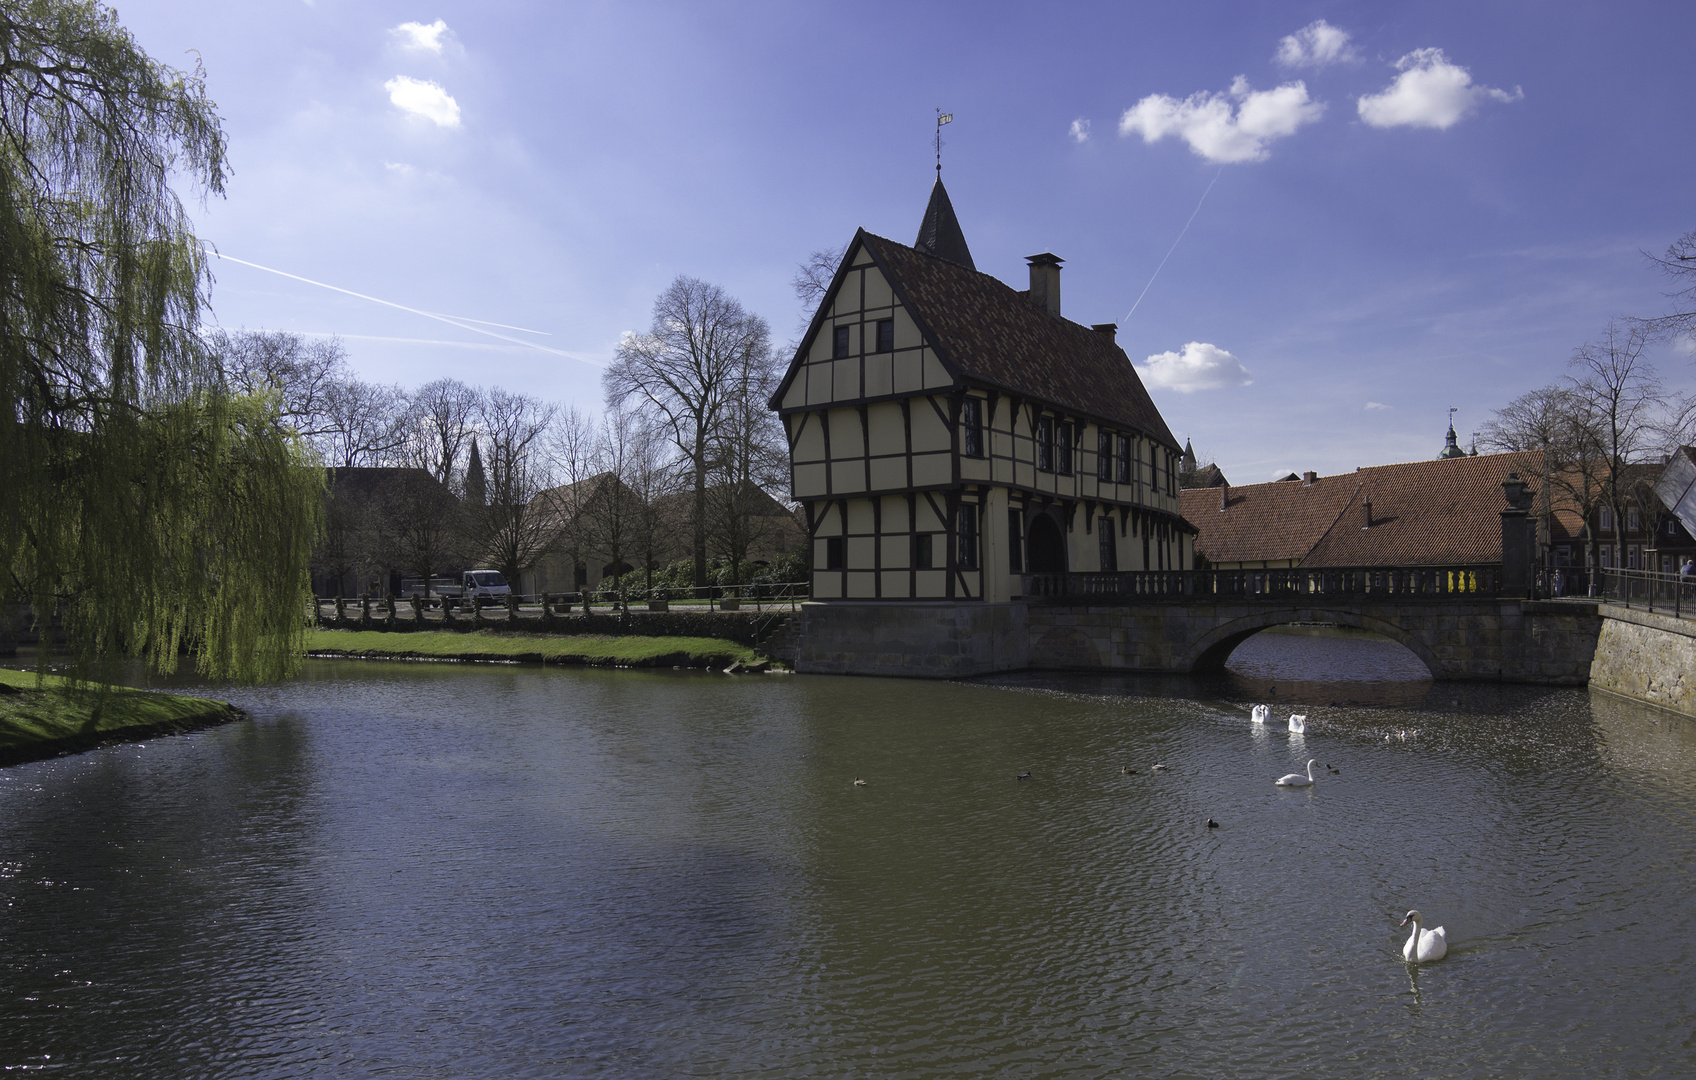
x=429, y=872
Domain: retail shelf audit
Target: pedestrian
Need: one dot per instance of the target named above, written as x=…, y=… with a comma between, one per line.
x=1688, y=569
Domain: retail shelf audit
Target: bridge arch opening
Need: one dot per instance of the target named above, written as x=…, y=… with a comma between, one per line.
x=1331, y=646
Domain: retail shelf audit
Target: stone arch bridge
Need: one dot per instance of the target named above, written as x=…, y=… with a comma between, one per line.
x=1456, y=620
x=1459, y=620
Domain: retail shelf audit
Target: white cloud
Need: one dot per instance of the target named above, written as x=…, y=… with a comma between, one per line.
x=1217, y=132
x=423, y=37
x=422, y=98
x=1375, y=406
x=1429, y=92
x=1315, y=45
x=1199, y=366
x=1079, y=130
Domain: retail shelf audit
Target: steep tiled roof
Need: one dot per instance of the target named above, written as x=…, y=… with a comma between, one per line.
x=1423, y=512
x=989, y=333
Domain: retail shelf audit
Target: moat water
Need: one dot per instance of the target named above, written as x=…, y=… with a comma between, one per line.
x=434, y=870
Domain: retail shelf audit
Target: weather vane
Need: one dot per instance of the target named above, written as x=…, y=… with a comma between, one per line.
x=1452, y=411
x=941, y=118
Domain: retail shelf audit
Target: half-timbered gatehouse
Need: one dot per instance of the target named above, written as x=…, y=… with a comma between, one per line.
x=949, y=433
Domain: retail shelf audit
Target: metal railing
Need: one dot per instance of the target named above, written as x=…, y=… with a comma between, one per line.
x=1666, y=594
x=1272, y=586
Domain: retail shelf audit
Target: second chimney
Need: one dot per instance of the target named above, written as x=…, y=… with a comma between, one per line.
x=1045, y=281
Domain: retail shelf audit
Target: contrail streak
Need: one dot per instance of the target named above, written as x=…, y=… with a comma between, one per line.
x=1175, y=243
x=390, y=303
x=486, y=322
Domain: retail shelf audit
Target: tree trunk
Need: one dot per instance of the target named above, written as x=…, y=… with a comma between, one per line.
x=700, y=523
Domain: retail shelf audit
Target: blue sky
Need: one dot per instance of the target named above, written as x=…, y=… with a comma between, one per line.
x=1453, y=198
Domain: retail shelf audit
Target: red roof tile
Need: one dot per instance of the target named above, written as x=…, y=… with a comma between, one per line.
x=1423, y=512
x=989, y=333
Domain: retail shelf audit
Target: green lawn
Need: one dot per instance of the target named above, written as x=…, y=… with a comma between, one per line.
x=594, y=649
x=43, y=723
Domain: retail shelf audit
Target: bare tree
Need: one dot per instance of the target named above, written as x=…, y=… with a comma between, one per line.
x=571, y=450
x=512, y=525
x=302, y=370
x=363, y=423
x=1544, y=419
x=613, y=516
x=1679, y=264
x=1620, y=399
x=1593, y=427
x=750, y=456
x=649, y=474
x=681, y=373
x=441, y=419
x=812, y=279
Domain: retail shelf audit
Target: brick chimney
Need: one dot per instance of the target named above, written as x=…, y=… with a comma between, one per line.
x=1108, y=330
x=1224, y=497
x=1308, y=479
x=1366, y=503
x=1045, y=281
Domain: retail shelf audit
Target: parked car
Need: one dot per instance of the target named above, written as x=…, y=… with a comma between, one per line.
x=485, y=587
x=441, y=588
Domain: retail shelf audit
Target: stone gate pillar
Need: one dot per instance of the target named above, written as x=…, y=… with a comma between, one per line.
x=1519, y=539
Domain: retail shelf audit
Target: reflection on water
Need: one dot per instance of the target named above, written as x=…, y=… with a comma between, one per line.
x=435, y=870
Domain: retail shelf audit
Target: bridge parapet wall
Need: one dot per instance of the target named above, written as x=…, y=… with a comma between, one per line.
x=1490, y=640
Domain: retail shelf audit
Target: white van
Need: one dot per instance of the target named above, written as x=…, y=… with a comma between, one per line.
x=485, y=587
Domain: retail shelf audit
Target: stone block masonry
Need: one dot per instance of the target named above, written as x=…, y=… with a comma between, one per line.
x=1544, y=642
x=1647, y=658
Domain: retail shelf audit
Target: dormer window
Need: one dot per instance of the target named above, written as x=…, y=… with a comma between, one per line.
x=971, y=427
x=839, y=345
x=886, y=335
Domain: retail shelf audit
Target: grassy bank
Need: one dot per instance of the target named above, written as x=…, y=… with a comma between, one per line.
x=589, y=649
x=37, y=724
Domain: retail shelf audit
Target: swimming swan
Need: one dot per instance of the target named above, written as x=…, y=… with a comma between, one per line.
x=1424, y=946
x=1298, y=722
x=1296, y=779
x=1259, y=714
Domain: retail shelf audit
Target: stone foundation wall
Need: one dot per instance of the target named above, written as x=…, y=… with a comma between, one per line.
x=923, y=640
x=1648, y=658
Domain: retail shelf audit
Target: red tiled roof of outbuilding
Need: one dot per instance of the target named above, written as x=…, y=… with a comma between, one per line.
x=1423, y=513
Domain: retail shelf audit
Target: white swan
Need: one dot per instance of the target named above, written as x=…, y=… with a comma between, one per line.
x=1259, y=714
x=1298, y=722
x=1424, y=946
x=1296, y=779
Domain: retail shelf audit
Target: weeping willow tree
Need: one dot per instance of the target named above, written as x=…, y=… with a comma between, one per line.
x=139, y=500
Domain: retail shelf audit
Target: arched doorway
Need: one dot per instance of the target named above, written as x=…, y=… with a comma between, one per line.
x=1045, y=546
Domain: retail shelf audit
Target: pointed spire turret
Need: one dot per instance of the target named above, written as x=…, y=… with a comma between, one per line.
x=475, y=483
x=1451, y=446
x=940, y=233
